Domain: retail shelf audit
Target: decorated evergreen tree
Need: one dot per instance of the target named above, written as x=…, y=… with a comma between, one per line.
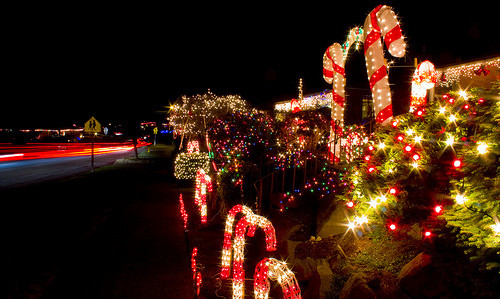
x=442, y=158
x=476, y=185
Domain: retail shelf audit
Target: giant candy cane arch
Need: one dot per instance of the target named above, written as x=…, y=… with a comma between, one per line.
x=249, y=221
x=270, y=268
x=334, y=72
x=381, y=23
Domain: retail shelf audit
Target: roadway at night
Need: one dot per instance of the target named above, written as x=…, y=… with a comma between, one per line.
x=35, y=163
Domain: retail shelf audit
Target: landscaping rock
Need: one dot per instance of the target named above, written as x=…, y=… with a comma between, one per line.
x=333, y=225
x=290, y=247
x=356, y=287
x=418, y=279
x=304, y=269
x=320, y=283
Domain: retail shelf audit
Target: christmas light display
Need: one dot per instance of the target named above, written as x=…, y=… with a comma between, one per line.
x=451, y=75
x=455, y=136
x=381, y=23
x=186, y=165
x=235, y=249
x=183, y=212
x=191, y=116
x=424, y=78
x=312, y=102
x=273, y=269
x=203, y=184
x=193, y=147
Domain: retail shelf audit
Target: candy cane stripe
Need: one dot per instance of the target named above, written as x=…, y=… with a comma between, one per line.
x=394, y=34
x=378, y=75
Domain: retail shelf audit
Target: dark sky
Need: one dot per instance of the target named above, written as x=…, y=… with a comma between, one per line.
x=62, y=64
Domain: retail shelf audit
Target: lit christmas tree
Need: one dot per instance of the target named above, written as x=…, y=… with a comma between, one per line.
x=443, y=158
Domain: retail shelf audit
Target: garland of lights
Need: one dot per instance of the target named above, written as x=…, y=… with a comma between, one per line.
x=403, y=151
x=250, y=221
x=451, y=75
x=203, y=184
x=186, y=165
x=270, y=268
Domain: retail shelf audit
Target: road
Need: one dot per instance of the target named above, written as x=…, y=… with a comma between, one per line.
x=22, y=172
x=116, y=233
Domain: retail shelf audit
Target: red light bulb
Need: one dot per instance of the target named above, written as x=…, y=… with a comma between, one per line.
x=457, y=163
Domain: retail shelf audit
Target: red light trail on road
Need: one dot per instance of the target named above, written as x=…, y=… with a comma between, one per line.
x=10, y=152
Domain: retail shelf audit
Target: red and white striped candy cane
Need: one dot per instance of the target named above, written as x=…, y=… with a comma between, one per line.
x=334, y=72
x=270, y=268
x=251, y=222
x=381, y=23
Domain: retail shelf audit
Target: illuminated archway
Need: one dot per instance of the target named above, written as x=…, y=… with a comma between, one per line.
x=381, y=23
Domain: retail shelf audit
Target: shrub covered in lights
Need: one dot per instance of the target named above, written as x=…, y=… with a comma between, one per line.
x=186, y=165
x=191, y=116
x=240, y=142
x=302, y=136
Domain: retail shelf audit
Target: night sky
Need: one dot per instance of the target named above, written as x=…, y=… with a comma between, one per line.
x=62, y=64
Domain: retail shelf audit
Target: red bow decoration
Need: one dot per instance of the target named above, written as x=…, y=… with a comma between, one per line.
x=482, y=70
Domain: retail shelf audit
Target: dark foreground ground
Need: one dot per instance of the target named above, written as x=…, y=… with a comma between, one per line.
x=111, y=234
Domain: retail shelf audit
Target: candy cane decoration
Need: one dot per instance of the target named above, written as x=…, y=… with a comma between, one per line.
x=333, y=72
x=249, y=221
x=203, y=184
x=228, y=235
x=270, y=268
x=381, y=22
